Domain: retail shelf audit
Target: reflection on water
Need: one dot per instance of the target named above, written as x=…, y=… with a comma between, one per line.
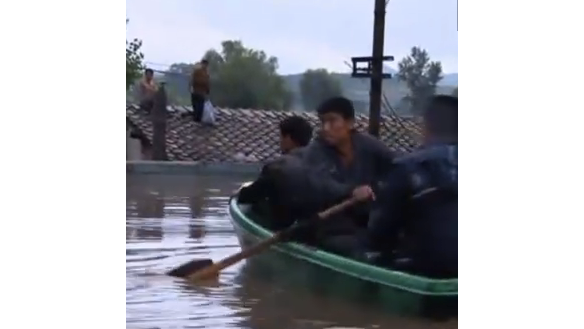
x=172, y=219
x=196, y=203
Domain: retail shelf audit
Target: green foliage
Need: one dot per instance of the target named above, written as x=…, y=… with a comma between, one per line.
x=134, y=58
x=177, y=83
x=421, y=77
x=246, y=78
x=318, y=85
x=240, y=78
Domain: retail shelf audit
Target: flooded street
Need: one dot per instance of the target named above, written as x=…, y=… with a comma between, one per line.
x=173, y=219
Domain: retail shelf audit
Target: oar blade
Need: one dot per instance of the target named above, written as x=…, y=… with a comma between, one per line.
x=189, y=268
x=201, y=269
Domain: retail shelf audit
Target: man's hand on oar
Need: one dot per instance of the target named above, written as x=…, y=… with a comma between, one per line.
x=200, y=269
x=364, y=193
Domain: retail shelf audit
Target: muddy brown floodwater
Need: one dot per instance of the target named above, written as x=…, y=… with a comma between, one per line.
x=173, y=219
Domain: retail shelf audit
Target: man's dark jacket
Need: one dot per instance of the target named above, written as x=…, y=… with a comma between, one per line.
x=420, y=197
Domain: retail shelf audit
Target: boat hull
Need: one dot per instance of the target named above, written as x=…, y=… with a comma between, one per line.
x=324, y=273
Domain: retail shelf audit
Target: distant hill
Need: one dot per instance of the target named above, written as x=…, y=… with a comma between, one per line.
x=449, y=80
x=357, y=89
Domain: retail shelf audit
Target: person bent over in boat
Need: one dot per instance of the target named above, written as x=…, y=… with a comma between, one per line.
x=265, y=193
x=346, y=162
x=419, y=198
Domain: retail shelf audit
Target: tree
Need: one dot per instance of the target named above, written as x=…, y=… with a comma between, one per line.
x=246, y=78
x=177, y=83
x=421, y=76
x=318, y=85
x=240, y=78
x=134, y=59
x=455, y=92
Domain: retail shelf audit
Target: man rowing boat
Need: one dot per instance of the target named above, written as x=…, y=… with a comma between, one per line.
x=340, y=162
x=348, y=163
x=416, y=198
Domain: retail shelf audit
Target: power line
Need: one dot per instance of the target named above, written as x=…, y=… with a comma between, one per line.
x=157, y=64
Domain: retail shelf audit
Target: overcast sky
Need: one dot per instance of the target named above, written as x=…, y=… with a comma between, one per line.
x=301, y=33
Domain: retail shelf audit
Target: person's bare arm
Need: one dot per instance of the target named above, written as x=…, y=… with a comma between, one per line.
x=153, y=86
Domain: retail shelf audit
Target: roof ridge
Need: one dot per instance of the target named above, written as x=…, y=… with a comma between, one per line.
x=249, y=132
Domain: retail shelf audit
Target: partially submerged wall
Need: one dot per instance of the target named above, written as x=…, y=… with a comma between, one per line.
x=191, y=168
x=133, y=147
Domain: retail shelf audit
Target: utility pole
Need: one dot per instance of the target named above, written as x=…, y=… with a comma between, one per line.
x=158, y=115
x=375, y=90
x=374, y=68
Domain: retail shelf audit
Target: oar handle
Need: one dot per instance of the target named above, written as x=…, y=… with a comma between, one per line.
x=337, y=208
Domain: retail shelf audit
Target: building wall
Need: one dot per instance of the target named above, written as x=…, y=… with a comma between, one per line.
x=133, y=148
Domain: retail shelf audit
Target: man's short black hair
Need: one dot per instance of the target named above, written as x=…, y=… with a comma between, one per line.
x=298, y=129
x=339, y=105
x=441, y=116
x=149, y=71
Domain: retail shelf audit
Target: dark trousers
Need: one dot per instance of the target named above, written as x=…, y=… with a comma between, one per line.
x=147, y=105
x=349, y=244
x=198, y=102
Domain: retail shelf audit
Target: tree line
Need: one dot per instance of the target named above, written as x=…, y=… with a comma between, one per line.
x=134, y=61
x=243, y=77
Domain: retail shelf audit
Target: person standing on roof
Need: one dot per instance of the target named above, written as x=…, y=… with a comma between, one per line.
x=199, y=87
x=147, y=89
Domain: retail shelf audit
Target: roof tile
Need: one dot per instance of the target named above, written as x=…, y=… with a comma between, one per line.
x=244, y=135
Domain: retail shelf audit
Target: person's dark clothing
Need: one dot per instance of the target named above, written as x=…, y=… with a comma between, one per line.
x=352, y=245
x=314, y=177
x=260, y=195
x=147, y=105
x=311, y=179
x=199, y=84
x=198, y=102
x=287, y=190
x=372, y=159
x=419, y=198
x=283, y=191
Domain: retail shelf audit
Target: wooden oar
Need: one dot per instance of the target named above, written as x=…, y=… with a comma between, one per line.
x=199, y=269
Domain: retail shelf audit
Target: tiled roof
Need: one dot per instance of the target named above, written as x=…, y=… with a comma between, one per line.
x=247, y=135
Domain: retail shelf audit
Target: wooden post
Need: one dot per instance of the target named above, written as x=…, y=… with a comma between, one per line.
x=159, y=125
x=375, y=90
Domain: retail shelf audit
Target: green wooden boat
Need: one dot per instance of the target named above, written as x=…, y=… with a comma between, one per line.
x=324, y=272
